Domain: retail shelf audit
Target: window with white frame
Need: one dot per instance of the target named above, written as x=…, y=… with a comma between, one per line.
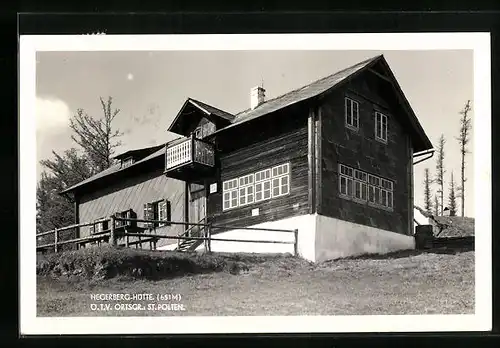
x=361, y=186
x=280, y=181
x=230, y=194
x=351, y=113
x=346, y=181
x=256, y=187
x=263, y=185
x=380, y=126
x=246, y=189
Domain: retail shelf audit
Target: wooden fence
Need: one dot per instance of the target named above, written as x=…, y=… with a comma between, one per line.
x=113, y=233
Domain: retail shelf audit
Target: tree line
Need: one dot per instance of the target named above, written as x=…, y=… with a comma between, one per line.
x=95, y=140
x=435, y=205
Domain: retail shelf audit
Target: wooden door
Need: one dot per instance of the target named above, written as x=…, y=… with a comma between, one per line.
x=197, y=207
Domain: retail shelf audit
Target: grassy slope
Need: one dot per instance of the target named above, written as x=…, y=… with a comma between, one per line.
x=418, y=283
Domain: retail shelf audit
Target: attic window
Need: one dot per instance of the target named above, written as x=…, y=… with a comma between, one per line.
x=127, y=161
x=351, y=114
x=381, y=127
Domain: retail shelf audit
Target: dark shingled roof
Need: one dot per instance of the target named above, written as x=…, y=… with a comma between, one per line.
x=311, y=90
x=212, y=109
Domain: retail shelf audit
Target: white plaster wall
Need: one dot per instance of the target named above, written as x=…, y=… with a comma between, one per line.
x=305, y=224
x=337, y=238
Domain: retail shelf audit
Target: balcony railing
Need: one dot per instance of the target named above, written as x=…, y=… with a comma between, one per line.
x=189, y=151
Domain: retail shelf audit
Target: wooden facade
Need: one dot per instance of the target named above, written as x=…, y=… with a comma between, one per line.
x=133, y=193
x=359, y=149
x=261, y=144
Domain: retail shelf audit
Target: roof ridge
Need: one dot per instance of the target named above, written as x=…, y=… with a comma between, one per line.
x=312, y=82
x=215, y=107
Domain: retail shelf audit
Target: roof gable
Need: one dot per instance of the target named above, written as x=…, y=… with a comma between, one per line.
x=191, y=113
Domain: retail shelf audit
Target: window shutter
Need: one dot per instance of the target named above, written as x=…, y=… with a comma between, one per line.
x=169, y=211
x=148, y=214
x=133, y=215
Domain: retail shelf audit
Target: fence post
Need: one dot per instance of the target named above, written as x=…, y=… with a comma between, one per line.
x=296, y=244
x=56, y=237
x=112, y=237
x=209, y=236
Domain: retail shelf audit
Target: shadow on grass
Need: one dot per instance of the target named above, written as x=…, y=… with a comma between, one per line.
x=451, y=250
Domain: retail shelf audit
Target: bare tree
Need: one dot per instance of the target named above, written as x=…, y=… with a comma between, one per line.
x=452, y=202
x=463, y=140
x=440, y=171
x=436, y=205
x=97, y=136
x=427, y=192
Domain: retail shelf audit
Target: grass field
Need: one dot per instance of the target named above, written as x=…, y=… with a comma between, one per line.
x=405, y=283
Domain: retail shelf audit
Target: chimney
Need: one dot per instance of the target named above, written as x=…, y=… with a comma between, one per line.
x=257, y=96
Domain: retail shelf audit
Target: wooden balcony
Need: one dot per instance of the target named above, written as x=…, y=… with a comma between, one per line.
x=190, y=160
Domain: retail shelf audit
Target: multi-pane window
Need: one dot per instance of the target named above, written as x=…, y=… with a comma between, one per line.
x=230, y=194
x=246, y=189
x=263, y=185
x=256, y=187
x=280, y=182
x=351, y=113
x=380, y=126
x=361, y=186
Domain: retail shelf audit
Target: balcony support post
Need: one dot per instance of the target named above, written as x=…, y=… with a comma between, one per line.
x=192, y=147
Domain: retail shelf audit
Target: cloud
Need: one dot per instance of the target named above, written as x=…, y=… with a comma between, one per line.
x=52, y=114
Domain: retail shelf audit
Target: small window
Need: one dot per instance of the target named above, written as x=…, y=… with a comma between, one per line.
x=127, y=162
x=351, y=113
x=359, y=175
x=198, y=133
x=280, y=170
x=159, y=210
x=263, y=175
x=163, y=212
x=380, y=126
x=246, y=180
x=345, y=170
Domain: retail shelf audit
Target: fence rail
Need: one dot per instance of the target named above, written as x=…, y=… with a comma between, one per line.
x=111, y=235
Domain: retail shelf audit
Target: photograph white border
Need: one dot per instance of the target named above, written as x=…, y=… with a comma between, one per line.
x=480, y=321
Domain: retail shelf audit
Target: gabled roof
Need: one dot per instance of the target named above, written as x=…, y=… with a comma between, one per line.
x=117, y=168
x=306, y=92
x=138, y=152
x=420, y=140
x=208, y=110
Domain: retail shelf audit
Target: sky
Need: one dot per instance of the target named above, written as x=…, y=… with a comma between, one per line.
x=149, y=88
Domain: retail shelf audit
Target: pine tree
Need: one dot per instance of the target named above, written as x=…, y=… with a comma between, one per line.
x=452, y=202
x=463, y=140
x=427, y=192
x=440, y=171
